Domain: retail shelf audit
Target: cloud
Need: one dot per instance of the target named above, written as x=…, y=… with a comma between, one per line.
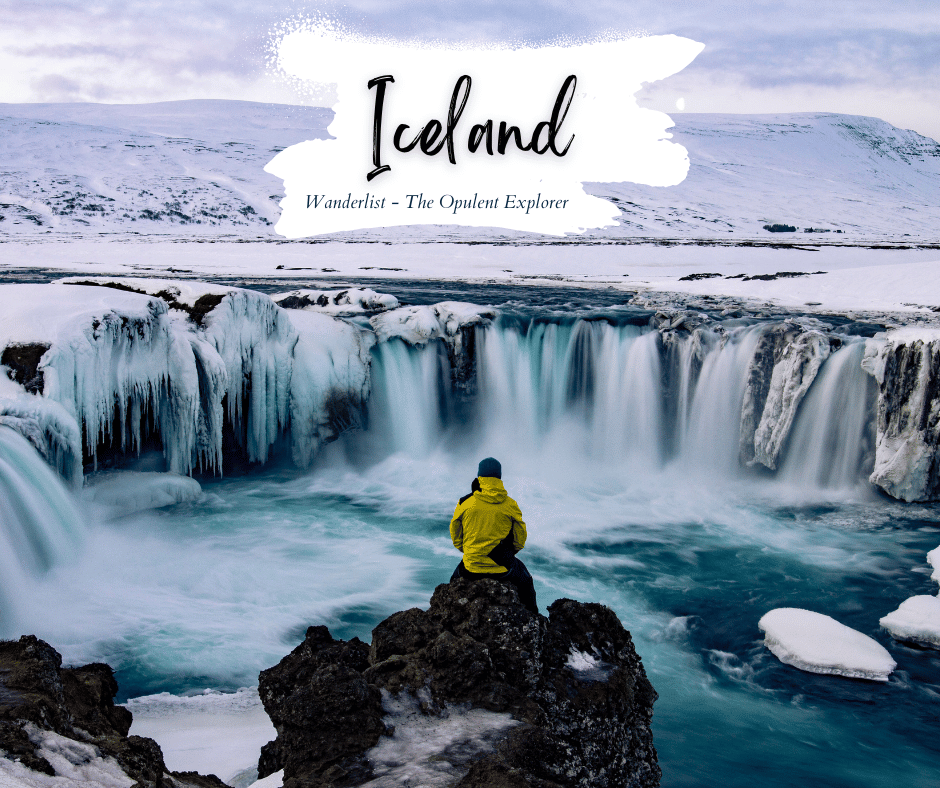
x=149, y=51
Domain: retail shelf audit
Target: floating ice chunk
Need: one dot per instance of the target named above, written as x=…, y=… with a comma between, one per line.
x=125, y=492
x=933, y=558
x=350, y=301
x=819, y=644
x=219, y=733
x=588, y=667
x=917, y=619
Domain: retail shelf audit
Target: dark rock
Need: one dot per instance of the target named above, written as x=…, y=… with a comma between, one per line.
x=77, y=703
x=23, y=363
x=475, y=647
x=326, y=714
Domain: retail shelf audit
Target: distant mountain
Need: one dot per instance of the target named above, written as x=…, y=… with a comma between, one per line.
x=195, y=169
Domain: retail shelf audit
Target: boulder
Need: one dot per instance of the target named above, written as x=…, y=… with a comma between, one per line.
x=556, y=701
x=38, y=695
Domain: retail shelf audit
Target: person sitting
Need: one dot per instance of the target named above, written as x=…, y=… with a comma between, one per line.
x=487, y=527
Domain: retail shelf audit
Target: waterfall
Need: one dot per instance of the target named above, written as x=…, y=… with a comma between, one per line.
x=40, y=525
x=594, y=392
x=832, y=438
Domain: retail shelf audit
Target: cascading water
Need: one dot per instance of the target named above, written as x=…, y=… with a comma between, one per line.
x=621, y=395
x=40, y=525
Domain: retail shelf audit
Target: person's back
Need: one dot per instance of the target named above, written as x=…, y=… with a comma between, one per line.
x=487, y=527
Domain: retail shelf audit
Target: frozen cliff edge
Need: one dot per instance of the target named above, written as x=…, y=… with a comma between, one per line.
x=906, y=365
x=62, y=722
x=475, y=691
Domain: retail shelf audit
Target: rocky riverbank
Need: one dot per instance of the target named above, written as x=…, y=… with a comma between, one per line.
x=474, y=692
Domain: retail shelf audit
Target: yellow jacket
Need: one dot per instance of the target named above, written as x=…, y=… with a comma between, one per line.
x=484, y=520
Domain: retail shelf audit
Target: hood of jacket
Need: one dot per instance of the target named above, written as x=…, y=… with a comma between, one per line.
x=491, y=490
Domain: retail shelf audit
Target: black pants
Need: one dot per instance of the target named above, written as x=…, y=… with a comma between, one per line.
x=518, y=575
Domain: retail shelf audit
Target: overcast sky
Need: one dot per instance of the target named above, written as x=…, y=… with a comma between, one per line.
x=865, y=58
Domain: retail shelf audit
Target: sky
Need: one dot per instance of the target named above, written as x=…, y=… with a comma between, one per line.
x=864, y=58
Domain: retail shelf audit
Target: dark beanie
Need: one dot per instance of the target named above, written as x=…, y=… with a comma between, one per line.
x=490, y=467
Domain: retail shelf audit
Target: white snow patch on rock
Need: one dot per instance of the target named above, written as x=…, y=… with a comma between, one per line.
x=429, y=750
x=350, y=301
x=418, y=325
x=819, y=644
x=588, y=667
x=917, y=619
x=125, y=492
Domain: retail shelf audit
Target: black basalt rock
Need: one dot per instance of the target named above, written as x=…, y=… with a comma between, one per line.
x=36, y=692
x=573, y=683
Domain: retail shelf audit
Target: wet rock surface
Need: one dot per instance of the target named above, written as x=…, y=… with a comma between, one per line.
x=37, y=694
x=572, y=682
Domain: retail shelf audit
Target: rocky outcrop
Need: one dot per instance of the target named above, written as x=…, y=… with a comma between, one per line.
x=906, y=366
x=39, y=696
x=556, y=701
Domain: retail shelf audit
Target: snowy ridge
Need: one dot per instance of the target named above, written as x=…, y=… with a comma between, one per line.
x=195, y=168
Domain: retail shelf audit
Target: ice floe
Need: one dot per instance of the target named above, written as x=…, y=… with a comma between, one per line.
x=819, y=644
x=917, y=619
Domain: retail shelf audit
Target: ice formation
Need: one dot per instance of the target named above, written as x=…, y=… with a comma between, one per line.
x=124, y=492
x=906, y=365
x=182, y=358
x=418, y=325
x=917, y=619
x=819, y=644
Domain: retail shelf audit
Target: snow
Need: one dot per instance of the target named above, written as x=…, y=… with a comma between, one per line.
x=429, y=750
x=196, y=168
x=239, y=357
x=587, y=667
x=918, y=619
x=906, y=440
x=418, y=325
x=124, y=492
x=933, y=558
x=819, y=644
x=75, y=763
x=211, y=733
x=349, y=301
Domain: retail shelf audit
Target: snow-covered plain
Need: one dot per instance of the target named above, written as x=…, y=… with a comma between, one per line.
x=196, y=167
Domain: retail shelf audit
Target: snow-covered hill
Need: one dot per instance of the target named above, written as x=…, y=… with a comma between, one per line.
x=195, y=169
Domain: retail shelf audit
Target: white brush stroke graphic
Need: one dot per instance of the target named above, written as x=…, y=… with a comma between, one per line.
x=614, y=140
